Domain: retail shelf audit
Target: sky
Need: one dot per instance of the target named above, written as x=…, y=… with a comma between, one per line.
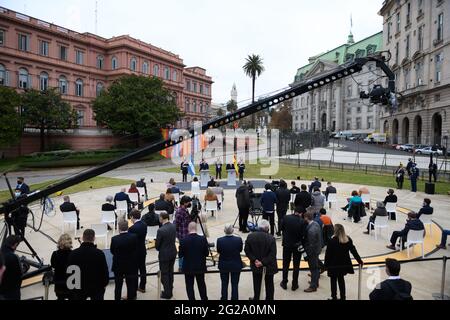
x=219, y=35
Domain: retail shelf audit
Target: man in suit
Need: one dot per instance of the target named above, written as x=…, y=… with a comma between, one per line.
x=22, y=186
x=394, y=288
x=211, y=183
x=426, y=209
x=302, y=199
x=204, y=165
x=293, y=227
x=141, y=184
x=294, y=189
x=12, y=272
x=123, y=196
x=184, y=167
x=243, y=204
x=92, y=267
x=241, y=169
x=162, y=205
x=194, y=250
x=165, y=245
x=313, y=248
x=218, y=169
x=268, y=201
x=230, y=264
x=412, y=223
x=139, y=228
x=315, y=184
x=283, y=199
x=68, y=206
x=415, y=173
x=124, y=251
x=261, y=249
x=328, y=190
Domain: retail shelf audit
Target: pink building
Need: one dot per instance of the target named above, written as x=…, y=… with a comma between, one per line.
x=36, y=54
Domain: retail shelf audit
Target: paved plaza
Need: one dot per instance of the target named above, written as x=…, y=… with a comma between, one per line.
x=425, y=277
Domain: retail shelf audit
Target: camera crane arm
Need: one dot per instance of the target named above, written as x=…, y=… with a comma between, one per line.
x=334, y=75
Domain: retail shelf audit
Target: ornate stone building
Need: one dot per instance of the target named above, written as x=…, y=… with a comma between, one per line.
x=417, y=33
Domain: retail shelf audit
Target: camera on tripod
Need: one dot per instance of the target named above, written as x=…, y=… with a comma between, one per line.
x=196, y=208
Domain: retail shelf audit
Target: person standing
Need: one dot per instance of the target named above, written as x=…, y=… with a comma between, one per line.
x=261, y=250
x=167, y=253
x=22, y=186
x=243, y=203
x=93, y=269
x=141, y=184
x=318, y=200
x=12, y=277
x=218, y=169
x=19, y=216
x=241, y=169
x=303, y=200
x=400, y=176
x=182, y=220
x=414, y=177
x=293, y=228
x=313, y=248
x=125, y=261
x=68, y=206
x=338, y=262
x=432, y=170
x=59, y=263
x=315, y=184
x=184, y=167
x=194, y=250
x=394, y=288
x=229, y=249
x=409, y=166
x=283, y=199
x=204, y=165
x=328, y=190
x=139, y=228
x=268, y=201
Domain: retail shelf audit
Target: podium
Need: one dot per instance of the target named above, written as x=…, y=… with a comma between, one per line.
x=204, y=178
x=231, y=181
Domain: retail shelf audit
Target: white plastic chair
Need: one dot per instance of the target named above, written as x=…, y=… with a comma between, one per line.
x=391, y=207
x=426, y=220
x=142, y=193
x=134, y=197
x=414, y=237
x=101, y=231
x=70, y=218
x=109, y=217
x=332, y=198
x=195, y=189
x=366, y=198
x=121, y=209
x=380, y=223
x=151, y=233
x=211, y=206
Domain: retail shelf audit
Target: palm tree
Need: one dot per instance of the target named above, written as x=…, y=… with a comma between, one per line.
x=253, y=68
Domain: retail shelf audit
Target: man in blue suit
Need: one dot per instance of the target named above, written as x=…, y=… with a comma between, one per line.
x=22, y=186
x=268, y=202
x=230, y=263
x=123, y=196
x=194, y=250
x=139, y=228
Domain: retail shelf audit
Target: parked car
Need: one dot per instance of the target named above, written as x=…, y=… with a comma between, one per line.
x=420, y=146
x=407, y=147
x=428, y=151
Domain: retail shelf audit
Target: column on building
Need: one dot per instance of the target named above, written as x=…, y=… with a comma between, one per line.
x=329, y=117
x=310, y=121
x=338, y=107
x=317, y=104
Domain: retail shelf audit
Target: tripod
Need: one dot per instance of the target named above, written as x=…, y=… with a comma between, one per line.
x=195, y=213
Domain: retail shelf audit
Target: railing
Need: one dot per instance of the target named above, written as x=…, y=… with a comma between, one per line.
x=438, y=296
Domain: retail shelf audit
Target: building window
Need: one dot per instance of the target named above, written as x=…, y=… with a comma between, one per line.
x=188, y=85
x=419, y=73
x=166, y=73
x=389, y=25
x=207, y=90
x=358, y=123
x=63, y=53
x=408, y=38
x=195, y=87
x=358, y=109
x=100, y=62
x=349, y=90
x=420, y=38
x=156, y=70
x=145, y=67
x=407, y=78
x=360, y=53
x=398, y=21
x=114, y=63
x=439, y=60
x=133, y=64
x=440, y=30
x=24, y=42
x=99, y=89
x=63, y=85
x=2, y=37
x=408, y=14
x=43, y=48
x=24, y=79
x=80, y=118
x=186, y=105
x=43, y=81
x=349, y=110
x=174, y=75
x=194, y=104
x=369, y=123
x=3, y=76
x=397, y=53
x=349, y=125
x=79, y=88
x=201, y=88
x=79, y=55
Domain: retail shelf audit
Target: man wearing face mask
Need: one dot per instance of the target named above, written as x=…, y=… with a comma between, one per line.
x=22, y=186
x=20, y=216
x=182, y=220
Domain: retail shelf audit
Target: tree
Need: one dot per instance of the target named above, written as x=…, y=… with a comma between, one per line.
x=281, y=118
x=45, y=111
x=138, y=106
x=253, y=68
x=10, y=128
x=232, y=106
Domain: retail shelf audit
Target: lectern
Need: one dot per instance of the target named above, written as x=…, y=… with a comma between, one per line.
x=231, y=181
x=204, y=178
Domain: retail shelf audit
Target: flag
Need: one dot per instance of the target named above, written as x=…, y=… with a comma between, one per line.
x=191, y=168
x=235, y=164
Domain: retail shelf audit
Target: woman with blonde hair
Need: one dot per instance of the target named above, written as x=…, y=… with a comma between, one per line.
x=337, y=260
x=59, y=263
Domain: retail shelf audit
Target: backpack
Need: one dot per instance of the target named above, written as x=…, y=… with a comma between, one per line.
x=398, y=295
